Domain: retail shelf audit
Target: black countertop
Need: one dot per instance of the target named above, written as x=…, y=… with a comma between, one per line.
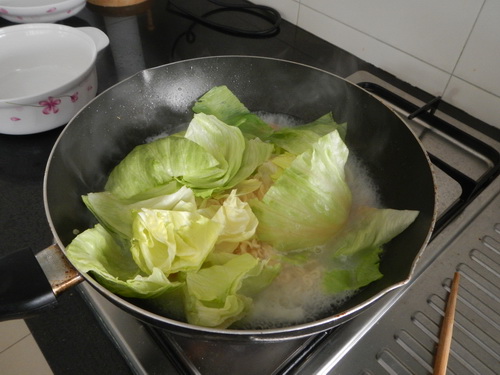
x=149, y=35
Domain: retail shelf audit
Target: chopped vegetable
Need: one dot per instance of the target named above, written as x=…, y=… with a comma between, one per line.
x=310, y=202
x=212, y=156
x=97, y=252
x=172, y=241
x=300, y=139
x=223, y=104
x=117, y=215
x=209, y=218
x=212, y=295
x=356, y=250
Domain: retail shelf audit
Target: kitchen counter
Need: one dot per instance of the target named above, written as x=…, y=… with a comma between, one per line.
x=70, y=335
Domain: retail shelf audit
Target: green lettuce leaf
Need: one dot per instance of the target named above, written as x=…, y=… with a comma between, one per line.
x=356, y=250
x=245, y=187
x=172, y=241
x=299, y=139
x=256, y=152
x=265, y=176
x=212, y=295
x=116, y=215
x=159, y=162
x=237, y=156
x=219, y=101
x=326, y=124
x=97, y=252
x=225, y=143
x=251, y=125
x=212, y=156
x=237, y=220
x=256, y=279
x=310, y=201
x=222, y=103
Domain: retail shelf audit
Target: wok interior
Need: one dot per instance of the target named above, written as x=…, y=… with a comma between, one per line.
x=156, y=100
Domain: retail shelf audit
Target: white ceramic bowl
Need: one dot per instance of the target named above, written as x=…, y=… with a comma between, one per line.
x=47, y=74
x=26, y=11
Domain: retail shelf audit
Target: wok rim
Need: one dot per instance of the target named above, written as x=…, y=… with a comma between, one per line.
x=271, y=334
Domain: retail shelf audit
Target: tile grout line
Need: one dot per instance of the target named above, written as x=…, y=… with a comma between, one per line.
x=452, y=74
x=15, y=343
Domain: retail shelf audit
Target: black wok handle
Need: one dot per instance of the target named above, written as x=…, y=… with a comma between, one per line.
x=29, y=284
x=24, y=289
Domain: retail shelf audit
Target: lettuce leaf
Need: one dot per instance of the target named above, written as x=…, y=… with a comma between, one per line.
x=238, y=157
x=222, y=103
x=256, y=279
x=212, y=156
x=219, y=101
x=116, y=215
x=299, y=139
x=310, y=202
x=212, y=297
x=225, y=144
x=238, y=222
x=356, y=250
x=97, y=252
x=256, y=152
x=172, y=241
x=326, y=124
x=156, y=163
x=272, y=169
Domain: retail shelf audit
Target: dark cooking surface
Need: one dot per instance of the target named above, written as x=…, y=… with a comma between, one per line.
x=69, y=335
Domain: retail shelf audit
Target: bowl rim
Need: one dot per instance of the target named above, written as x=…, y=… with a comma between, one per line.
x=26, y=9
x=49, y=27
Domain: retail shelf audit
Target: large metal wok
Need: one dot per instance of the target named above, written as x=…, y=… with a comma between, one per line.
x=155, y=100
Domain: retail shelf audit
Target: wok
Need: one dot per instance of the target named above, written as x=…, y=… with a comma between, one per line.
x=156, y=100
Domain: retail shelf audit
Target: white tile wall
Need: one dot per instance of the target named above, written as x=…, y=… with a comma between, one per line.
x=386, y=57
x=404, y=24
x=289, y=9
x=480, y=60
x=475, y=84
x=474, y=100
x=445, y=47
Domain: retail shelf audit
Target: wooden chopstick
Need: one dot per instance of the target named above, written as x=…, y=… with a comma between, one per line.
x=443, y=350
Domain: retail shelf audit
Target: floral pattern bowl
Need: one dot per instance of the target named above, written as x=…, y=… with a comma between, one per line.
x=47, y=74
x=27, y=11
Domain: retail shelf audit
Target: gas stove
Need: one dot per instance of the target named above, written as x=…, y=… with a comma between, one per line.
x=396, y=335
x=399, y=333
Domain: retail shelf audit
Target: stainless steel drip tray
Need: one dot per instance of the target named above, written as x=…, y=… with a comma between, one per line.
x=399, y=334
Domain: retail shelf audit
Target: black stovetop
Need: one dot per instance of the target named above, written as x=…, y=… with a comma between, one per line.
x=69, y=335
